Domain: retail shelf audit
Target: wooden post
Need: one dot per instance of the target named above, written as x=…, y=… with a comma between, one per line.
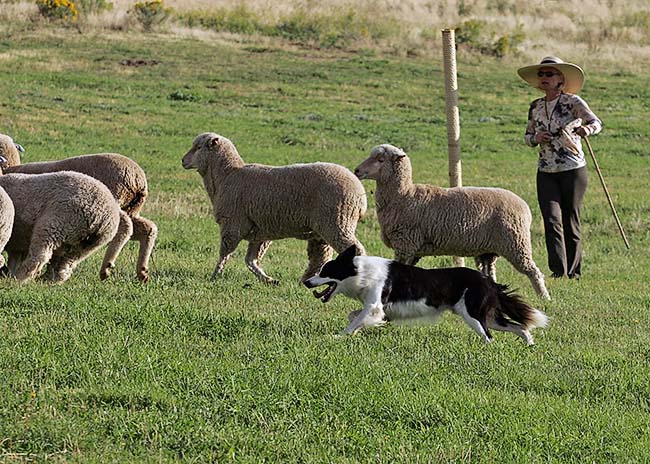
x=453, y=118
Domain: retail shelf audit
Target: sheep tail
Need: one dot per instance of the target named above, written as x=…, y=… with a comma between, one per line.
x=515, y=308
x=136, y=202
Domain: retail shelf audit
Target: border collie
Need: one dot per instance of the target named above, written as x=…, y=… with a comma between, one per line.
x=395, y=292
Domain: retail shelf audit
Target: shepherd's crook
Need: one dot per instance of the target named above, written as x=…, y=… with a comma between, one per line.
x=609, y=199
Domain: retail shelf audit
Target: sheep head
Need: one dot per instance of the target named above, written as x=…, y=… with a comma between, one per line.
x=385, y=162
x=210, y=149
x=10, y=151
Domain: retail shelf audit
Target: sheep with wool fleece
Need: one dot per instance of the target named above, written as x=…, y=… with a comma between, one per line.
x=7, y=214
x=127, y=182
x=8, y=150
x=317, y=202
x=60, y=219
x=418, y=220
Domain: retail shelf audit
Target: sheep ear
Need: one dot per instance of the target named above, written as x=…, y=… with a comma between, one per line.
x=214, y=141
x=401, y=154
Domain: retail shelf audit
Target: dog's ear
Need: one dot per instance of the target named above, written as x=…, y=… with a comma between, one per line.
x=349, y=253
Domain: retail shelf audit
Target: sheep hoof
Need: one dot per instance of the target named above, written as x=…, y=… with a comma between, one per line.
x=143, y=276
x=105, y=273
x=273, y=282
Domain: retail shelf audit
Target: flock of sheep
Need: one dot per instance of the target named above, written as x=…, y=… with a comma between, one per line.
x=55, y=214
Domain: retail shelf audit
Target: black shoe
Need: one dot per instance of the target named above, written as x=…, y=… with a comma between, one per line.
x=574, y=276
x=556, y=275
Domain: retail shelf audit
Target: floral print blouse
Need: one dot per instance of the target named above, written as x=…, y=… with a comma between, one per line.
x=560, y=117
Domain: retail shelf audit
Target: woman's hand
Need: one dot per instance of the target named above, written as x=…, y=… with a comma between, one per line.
x=581, y=131
x=542, y=137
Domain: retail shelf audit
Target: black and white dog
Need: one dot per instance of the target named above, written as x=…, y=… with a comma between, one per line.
x=395, y=292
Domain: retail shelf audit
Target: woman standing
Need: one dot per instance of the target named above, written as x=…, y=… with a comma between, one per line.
x=556, y=122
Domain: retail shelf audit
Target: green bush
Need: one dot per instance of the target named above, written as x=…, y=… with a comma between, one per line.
x=469, y=32
x=64, y=10
x=301, y=26
x=180, y=95
x=150, y=14
x=473, y=35
x=239, y=21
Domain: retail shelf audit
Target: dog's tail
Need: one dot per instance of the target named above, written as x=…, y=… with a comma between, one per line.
x=516, y=309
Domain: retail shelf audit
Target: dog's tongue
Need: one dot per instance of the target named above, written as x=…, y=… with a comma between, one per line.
x=318, y=294
x=326, y=294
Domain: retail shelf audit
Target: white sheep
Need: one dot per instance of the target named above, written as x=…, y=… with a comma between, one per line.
x=419, y=220
x=9, y=151
x=60, y=219
x=317, y=202
x=127, y=182
x=6, y=222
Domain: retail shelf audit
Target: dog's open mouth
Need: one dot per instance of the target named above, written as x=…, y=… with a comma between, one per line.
x=326, y=293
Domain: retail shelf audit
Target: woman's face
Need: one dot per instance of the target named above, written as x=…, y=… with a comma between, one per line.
x=549, y=78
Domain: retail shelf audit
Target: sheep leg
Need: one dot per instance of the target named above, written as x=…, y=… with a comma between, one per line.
x=39, y=254
x=229, y=242
x=479, y=264
x=59, y=269
x=486, y=264
x=145, y=232
x=257, y=250
x=527, y=267
x=537, y=280
x=406, y=258
x=318, y=252
x=11, y=264
x=13, y=261
x=61, y=266
x=123, y=234
x=341, y=241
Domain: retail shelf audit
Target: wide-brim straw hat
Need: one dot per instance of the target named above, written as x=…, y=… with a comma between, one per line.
x=574, y=77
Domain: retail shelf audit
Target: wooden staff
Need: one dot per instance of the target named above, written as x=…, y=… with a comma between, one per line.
x=609, y=199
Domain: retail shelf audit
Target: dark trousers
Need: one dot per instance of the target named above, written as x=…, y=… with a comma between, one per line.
x=560, y=198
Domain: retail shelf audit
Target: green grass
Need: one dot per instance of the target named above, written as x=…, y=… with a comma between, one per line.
x=187, y=369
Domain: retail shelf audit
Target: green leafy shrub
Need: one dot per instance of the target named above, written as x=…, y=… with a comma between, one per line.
x=469, y=32
x=180, y=95
x=150, y=14
x=508, y=44
x=64, y=10
x=473, y=35
x=301, y=26
x=241, y=20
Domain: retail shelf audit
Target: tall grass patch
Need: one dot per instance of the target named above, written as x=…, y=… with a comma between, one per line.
x=339, y=29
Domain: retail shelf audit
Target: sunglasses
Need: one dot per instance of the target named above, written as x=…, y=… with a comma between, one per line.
x=546, y=73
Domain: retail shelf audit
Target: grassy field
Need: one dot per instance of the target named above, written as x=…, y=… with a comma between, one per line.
x=185, y=369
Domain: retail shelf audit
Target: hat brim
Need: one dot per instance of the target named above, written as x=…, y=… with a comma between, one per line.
x=574, y=77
